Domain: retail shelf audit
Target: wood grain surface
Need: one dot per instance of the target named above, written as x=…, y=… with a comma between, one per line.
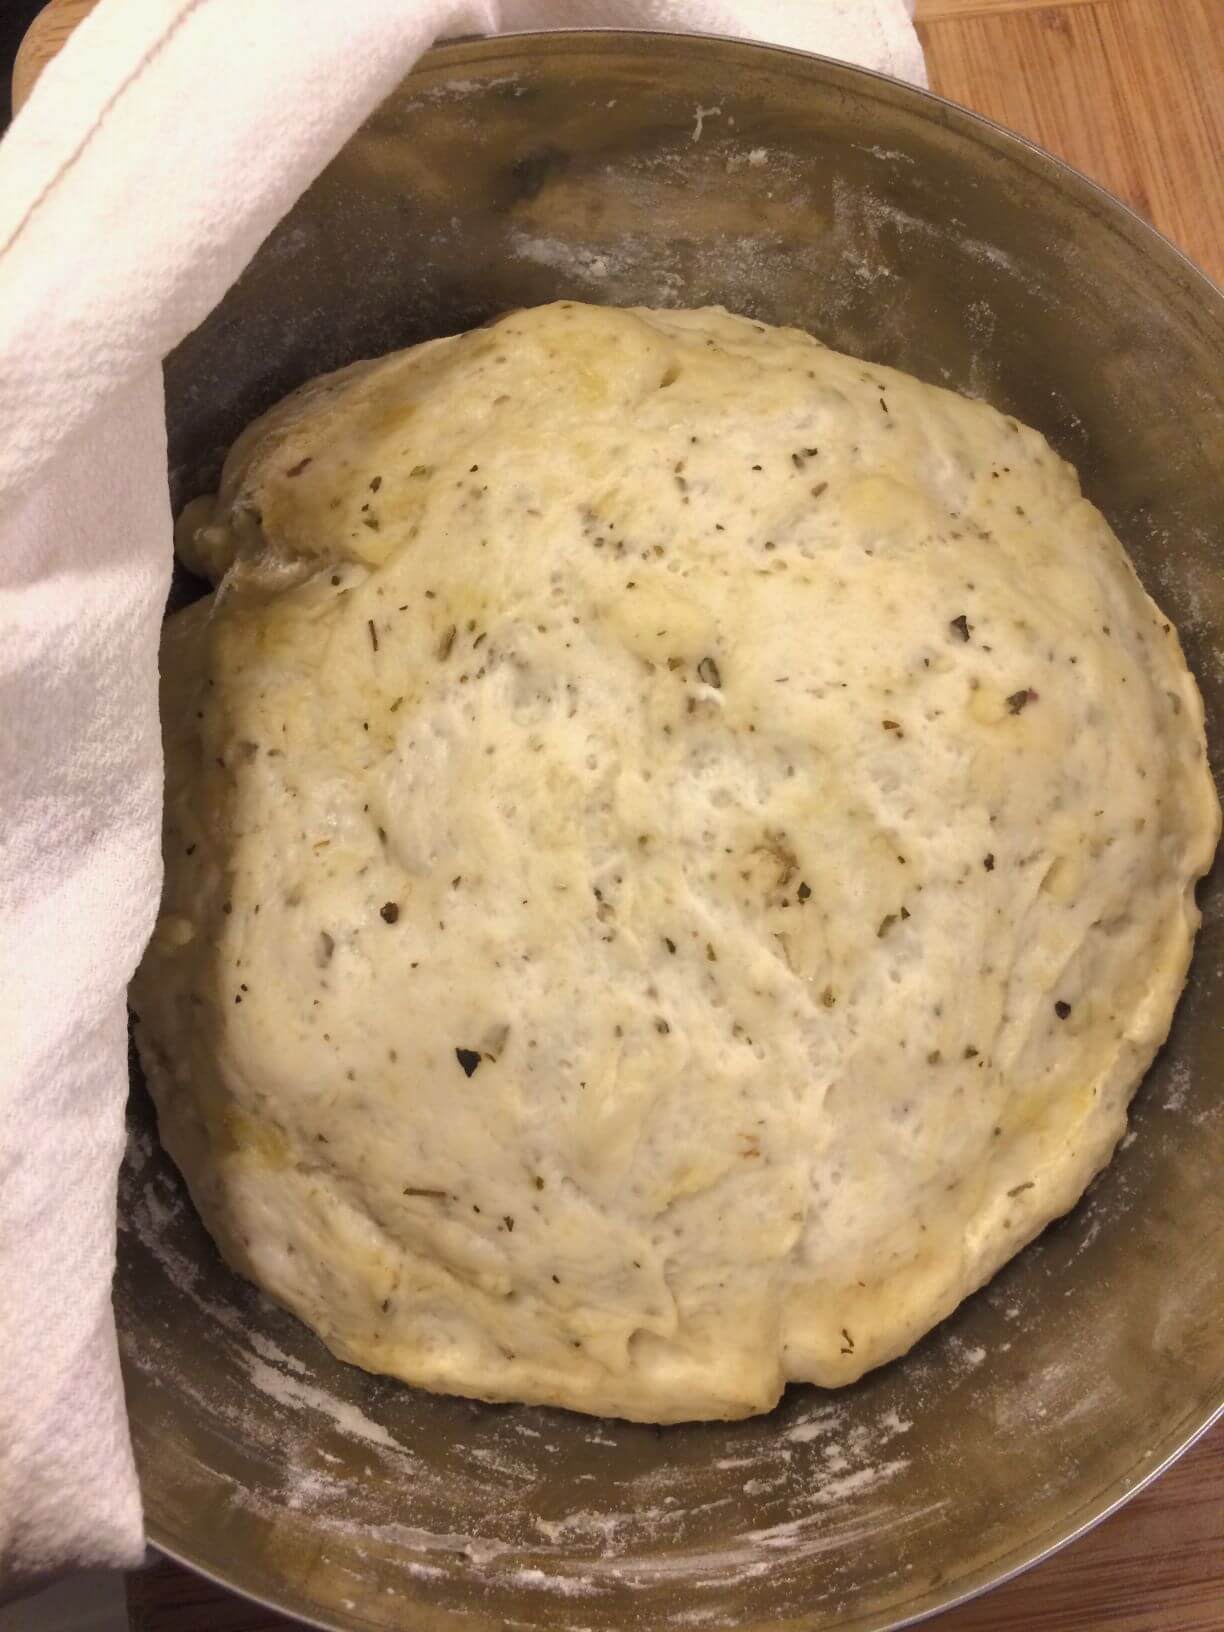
x=1132, y=93
x=46, y=36
x=1129, y=91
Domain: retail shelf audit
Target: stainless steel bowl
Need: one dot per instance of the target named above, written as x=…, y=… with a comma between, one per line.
x=632, y=168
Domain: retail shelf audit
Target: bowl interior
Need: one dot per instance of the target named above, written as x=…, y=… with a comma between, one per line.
x=637, y=169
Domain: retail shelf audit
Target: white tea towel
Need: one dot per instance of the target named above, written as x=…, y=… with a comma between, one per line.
x=156, y=153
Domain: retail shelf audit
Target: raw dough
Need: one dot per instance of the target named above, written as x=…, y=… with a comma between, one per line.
x=679, y=847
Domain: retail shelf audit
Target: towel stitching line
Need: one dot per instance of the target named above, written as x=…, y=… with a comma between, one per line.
x=111, y=102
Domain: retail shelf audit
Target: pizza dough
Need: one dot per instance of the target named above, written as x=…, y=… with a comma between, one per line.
x=679, y=847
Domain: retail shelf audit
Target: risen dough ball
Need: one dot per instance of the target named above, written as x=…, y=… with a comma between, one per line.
x=679, y=847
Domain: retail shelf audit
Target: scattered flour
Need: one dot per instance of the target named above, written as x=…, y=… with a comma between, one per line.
x=289, y=1391
x=1178, y=1086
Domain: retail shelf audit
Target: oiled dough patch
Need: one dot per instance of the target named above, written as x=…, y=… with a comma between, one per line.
x=679, y=847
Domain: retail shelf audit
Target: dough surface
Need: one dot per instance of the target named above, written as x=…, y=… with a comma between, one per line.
x=679, y=848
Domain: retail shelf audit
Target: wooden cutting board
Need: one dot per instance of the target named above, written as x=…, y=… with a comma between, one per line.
x=1132, y=93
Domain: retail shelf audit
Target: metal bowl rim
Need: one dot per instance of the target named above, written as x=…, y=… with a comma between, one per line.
x=1148, y=239
x=1061, y=169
